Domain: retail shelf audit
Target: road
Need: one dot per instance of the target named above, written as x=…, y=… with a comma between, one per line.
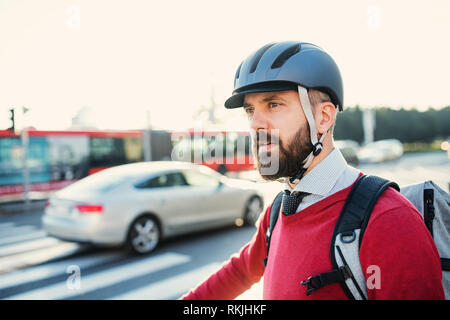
x=35, y=266
x=43, y=265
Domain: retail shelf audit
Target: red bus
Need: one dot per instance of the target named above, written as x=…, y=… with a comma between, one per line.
x=223, y=151
x=58, y=158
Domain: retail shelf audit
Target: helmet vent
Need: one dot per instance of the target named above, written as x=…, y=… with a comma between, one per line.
x=285, y=55
x=258, y=55
x=238, y=71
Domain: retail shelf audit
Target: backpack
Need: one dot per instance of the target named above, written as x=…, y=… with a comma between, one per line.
x=432, y=202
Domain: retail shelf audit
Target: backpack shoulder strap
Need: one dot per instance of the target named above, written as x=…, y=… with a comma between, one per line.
x=349, y=230
x=347, y=237
x=274, y=212
x=359, y=204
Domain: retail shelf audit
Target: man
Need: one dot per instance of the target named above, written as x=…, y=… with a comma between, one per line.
x=291, y=93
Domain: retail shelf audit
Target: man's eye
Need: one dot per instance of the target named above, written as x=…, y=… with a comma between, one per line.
x=273, y=104
x=248, y=111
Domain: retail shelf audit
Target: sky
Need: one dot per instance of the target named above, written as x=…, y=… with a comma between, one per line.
x=132, y=64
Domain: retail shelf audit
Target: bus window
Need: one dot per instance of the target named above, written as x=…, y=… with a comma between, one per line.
x=217, y=150
x=106, y=152
x=133, y=149
x=182, y=149
x=38, y=159
x=11, y=169
x=10, y=161
x=68, y=157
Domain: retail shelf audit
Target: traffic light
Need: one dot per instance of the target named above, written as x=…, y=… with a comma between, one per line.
x=12, y=128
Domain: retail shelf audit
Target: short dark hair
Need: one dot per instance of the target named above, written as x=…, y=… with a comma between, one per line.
x=315, y=97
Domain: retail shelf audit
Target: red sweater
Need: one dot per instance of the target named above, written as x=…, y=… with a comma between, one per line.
x=396, y=241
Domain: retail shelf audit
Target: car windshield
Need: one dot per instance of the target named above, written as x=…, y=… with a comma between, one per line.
x=100, y=182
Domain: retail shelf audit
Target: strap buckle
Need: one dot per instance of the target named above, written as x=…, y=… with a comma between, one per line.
x=317, y=148
x=309, y=285
x=337, y=275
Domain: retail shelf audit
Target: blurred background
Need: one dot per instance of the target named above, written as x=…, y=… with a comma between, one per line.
x=90, y=85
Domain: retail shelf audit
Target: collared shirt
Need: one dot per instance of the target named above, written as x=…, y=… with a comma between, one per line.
x=329, y=176
x=300, y=247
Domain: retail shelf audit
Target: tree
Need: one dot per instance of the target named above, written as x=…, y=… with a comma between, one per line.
x=349, y=125
x=405, y=125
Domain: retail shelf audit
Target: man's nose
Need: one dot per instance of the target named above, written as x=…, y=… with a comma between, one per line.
x=259, y=121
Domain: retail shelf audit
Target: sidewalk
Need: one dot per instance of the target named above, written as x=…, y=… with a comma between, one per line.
x=20, y=207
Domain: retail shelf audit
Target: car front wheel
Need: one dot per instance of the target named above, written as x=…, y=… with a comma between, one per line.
x=144, y=235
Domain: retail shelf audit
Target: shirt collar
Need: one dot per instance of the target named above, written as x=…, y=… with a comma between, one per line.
x=322, y=178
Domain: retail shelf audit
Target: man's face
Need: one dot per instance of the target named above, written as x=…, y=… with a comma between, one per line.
x=281, y=139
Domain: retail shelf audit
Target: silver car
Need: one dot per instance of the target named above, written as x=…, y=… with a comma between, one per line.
x=139, y=204
x=380, y=151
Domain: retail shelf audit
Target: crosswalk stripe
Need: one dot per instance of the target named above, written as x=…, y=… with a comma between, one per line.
x=53, y=269
x=22, y=237
x=105, y=278
x=161, y=289
x=21, y=260
x=28, y=246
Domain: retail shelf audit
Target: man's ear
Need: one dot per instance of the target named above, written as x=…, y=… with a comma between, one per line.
x=325, y=116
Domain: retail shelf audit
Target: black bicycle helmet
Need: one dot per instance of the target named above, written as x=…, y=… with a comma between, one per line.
x=283, y=66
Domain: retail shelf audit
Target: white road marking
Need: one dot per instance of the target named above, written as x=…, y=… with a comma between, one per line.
x=105, y=278
x=28, y=246
x=53, y=269
x=161, y=289
x=18, y=261
x=23, y=237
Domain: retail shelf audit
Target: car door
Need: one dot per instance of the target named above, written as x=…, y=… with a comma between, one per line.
x=211, y=206
x=170, y=197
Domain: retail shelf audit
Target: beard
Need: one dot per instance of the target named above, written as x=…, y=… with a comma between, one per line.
x=289, y=158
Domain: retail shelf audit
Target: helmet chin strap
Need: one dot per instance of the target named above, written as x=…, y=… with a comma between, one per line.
x=317, y=143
